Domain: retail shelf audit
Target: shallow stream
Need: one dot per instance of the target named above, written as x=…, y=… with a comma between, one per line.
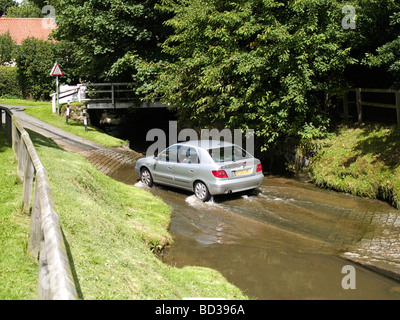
x=281, y=242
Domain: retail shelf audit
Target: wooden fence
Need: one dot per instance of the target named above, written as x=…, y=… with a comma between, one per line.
x=360, y=102
x=46, y=241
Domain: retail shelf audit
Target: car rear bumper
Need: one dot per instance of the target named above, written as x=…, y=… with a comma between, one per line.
x=238, y=185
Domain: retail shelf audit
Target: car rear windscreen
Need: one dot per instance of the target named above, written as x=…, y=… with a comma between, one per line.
x=229, y=154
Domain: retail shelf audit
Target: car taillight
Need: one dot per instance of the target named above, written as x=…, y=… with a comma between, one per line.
x=259, y=167
x=220, y=174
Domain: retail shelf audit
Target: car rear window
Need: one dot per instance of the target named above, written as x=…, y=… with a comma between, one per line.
x=229, y=154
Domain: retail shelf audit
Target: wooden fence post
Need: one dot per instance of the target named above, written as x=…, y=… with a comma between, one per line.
x=8, y=128
x=28, y=181
x=398, y=107
x=16, y=139
x=359, y=104
x=36, y=225
x=44, y=286
x=22, y=158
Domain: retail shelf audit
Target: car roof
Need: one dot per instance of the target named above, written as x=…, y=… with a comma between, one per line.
x=207, y=144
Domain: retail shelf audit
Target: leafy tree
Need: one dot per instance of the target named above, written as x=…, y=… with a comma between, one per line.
x=260, y=64
x=109, y=37
x=9, y=84
x=384, y=49
x=5, y=5
x=6, y=49
x=25, y=10
x=35, y=59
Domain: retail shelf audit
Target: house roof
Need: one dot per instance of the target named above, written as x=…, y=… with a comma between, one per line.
x=22, y=28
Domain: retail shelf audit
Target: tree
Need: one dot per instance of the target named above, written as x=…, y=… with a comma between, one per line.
x=34, y=60
x=109, y=37
x=6, y=49
x=5, y=5
x=374, y=29
x=257, y=64
x=25, y=10
x=384, y=52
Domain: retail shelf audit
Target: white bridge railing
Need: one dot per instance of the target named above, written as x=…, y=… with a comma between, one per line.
x=102, y=96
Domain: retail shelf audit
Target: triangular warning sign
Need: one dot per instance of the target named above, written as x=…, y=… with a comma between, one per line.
x=56, y=71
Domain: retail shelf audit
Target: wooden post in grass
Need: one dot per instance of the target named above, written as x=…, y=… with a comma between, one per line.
x=398, y=107
x=359, y=105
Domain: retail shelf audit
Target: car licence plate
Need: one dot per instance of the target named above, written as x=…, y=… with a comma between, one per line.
x=242, y=172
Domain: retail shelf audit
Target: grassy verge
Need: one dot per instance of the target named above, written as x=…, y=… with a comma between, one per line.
x=45, y=114
x=22, y=102
x=18, y=272
x=362, y=160
x=111, y=229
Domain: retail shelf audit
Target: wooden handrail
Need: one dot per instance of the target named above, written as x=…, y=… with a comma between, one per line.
x=46, y=241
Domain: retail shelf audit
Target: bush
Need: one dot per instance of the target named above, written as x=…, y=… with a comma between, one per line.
x=34, y=60
x=9, y=85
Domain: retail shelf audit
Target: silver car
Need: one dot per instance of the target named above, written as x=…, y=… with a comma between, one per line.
x=204, y=167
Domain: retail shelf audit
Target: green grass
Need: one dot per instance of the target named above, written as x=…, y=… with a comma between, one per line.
x=18, y=272
x=22, y=102
x=45, y=114
x=362, y=160
x=112, y=228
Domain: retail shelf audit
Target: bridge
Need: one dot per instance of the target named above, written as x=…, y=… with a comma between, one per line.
x=102, y=96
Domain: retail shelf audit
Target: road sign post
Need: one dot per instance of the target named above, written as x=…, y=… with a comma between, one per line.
x=57, y=72
x=67, y=112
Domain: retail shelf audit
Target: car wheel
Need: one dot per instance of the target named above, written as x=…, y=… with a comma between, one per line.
x=201, y=191
x=146, y=178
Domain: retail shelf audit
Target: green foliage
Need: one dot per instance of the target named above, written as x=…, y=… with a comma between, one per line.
x=34, y=60
x=109, y=36
x=25, y=10
x=7, y=49
x=269, y=65
x=254, y=64
x=386, y=50
x=5, y=5
x=9, y=84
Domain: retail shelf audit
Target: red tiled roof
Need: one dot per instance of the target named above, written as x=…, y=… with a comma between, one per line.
x=22, y=28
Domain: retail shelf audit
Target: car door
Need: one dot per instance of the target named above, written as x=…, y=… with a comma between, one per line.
x=164, y=166
x=187, y=168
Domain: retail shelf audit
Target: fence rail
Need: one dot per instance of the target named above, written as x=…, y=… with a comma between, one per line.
x=360, y=102
x=46, y=241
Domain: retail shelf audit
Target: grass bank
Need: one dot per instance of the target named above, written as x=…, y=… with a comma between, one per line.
x=23, y=102
x=45, y=114
x=18, y=272
x=363, y=160
x=111, y=229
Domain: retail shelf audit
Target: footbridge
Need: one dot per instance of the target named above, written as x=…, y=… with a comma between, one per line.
x=103, y=96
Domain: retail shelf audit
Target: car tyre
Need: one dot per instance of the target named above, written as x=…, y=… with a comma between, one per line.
x=146, y=178
x=201, y=191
